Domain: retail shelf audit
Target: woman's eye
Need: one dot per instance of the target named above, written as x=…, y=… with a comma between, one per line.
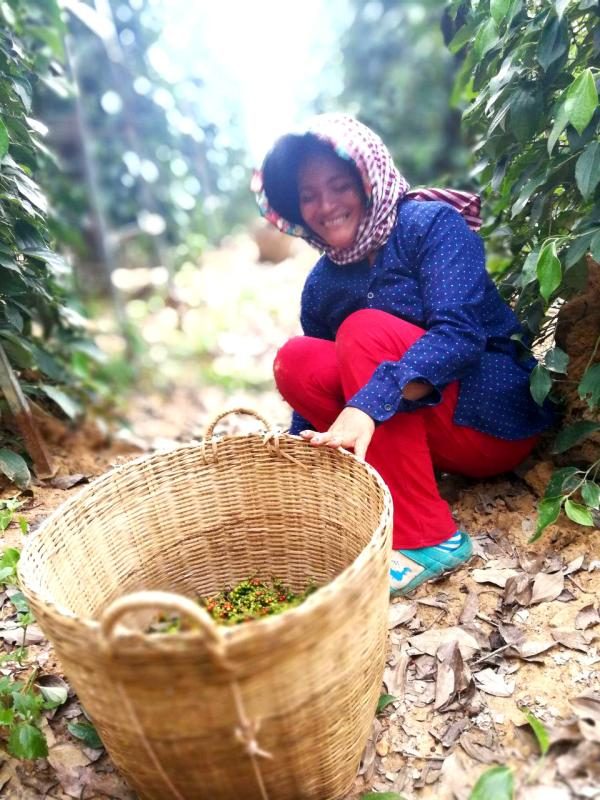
x=342, y=187
x=306, y=198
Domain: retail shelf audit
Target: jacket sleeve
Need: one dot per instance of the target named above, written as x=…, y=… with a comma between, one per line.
x=451, y=267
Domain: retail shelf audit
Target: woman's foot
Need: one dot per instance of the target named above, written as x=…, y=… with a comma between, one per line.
x=411, y=568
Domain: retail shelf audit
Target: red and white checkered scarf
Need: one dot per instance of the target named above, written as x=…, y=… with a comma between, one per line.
x=383, y=185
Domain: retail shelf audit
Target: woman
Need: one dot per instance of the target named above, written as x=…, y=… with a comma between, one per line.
x=408, y=354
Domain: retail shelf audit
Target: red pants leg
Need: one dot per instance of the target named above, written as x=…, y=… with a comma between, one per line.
x=317, y=376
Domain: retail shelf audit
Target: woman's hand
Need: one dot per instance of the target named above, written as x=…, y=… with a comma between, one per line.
x=352, y=429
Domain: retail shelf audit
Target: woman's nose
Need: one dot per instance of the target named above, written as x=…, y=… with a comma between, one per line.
x=327, y=202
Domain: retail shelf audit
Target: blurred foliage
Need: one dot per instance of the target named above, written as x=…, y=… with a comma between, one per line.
x=42, y=335
x=159, y=165
x=398, y=78
x=529, y=80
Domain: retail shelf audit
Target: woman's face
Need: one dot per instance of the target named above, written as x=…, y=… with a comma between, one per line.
x=331, y=200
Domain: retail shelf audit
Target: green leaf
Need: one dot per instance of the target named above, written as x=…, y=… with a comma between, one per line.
x=54, y=693
x=382, y=796
x=66, y=404
x=578, y=249
x=27, y=704
x=562, y=480
x=548, y=511
x=561, y=6
x=570, y=436
x=540, y=384
x=587, y=169
x=487, y=37
x=495, y=784
x=526, y=193
x=384, y=701
x=541, y=734
x=582, y=100
x=549, y=270
x=3, y=140
x=595, y=246
x=27, y=741
x=87, y=733
x=19, y=601
x=561, y=121
x=6, y=516
x=461, y=37
x=589, y=386
x=499, y=9
x=14, y=467
x=578, y=513
x=554, y=42
x=6, y=716
x=590, y=492
x=525, y=113
x=556, y=360
x=10, y=557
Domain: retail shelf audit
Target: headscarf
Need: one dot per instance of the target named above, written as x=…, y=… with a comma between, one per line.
x=382, y=183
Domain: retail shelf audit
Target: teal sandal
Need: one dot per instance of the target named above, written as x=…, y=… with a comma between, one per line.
x=435, y=562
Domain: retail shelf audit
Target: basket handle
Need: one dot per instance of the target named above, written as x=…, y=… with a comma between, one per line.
x=219, y=417
x=167, y=601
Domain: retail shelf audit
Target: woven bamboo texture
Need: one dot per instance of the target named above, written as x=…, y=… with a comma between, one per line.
x=275, y=709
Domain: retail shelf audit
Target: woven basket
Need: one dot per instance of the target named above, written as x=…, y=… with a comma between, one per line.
x=278, y=708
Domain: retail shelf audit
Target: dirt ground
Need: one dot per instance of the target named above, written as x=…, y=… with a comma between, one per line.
x=516, y=630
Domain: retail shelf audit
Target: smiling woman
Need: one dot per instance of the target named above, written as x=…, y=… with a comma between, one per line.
x=408, y=354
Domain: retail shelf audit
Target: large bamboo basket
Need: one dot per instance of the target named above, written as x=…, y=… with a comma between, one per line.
x=278, y=708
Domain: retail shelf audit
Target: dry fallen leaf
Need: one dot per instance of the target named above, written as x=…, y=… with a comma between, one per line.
x=553, y=792
x=22, y=636
x=429, y=641
x=480, y=747
x=529, y=649
x=547, y=587
x=572, y=640
x=586, y=617
x=451, y=732
x=587, y=708
x=518, y=590
x=400, y=613
x=574, y=565
x=68, y=481
x=491, y=682
x=453, y=676
x=470, y=608
x=498, y=577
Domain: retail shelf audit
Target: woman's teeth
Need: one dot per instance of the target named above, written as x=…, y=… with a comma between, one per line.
x=332, y=223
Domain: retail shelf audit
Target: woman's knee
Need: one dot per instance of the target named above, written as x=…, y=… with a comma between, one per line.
x=288, y=363
x=370, y=326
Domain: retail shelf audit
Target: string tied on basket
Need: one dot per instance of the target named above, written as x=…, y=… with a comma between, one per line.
x=246, y=734
x=271, y=440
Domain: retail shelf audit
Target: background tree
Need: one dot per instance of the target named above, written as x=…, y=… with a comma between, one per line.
x=158, y=163
x=529, y=81
x=40, y=331
x=398, y=78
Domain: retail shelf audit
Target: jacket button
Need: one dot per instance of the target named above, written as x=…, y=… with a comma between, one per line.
x=370, y=295
x=388, y=407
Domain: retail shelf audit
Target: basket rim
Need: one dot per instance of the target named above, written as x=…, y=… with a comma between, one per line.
x=234, y=634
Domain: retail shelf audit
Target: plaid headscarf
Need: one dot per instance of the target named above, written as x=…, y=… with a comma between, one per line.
x=383, y=186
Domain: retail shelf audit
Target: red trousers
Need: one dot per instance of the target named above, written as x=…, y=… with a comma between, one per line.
x=316, y=377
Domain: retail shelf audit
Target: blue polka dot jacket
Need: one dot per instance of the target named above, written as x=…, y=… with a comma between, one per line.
x=431, y=272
